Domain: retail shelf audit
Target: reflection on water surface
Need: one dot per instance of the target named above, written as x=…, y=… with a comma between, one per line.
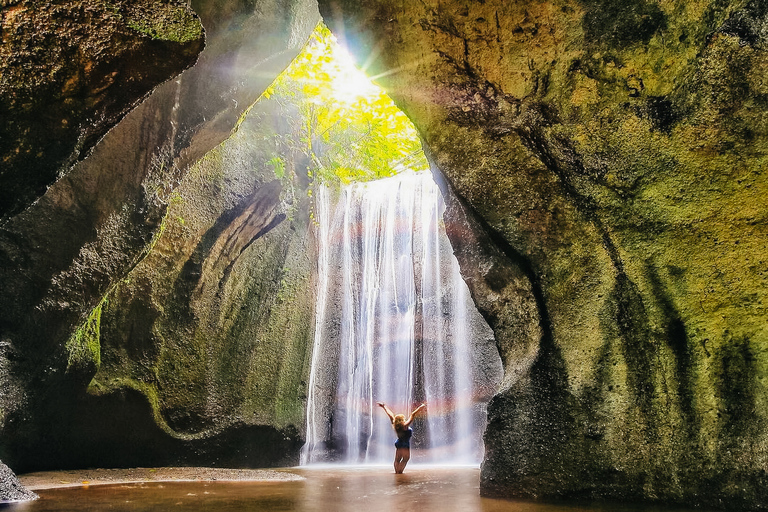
x=346, y=488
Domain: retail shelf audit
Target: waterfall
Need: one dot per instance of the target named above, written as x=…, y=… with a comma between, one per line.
x=394, y=323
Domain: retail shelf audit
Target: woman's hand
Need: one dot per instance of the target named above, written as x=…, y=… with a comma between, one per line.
x=387, y=410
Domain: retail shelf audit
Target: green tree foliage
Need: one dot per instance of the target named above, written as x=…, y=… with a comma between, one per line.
x=345, y=128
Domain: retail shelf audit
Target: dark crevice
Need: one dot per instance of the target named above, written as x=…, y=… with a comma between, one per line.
x=661, y=112
x=748, y=24
x=565, y=163
x=736, y=384
x=618, y=25
x=278, y=219
x=677, y=340
x=627, y=312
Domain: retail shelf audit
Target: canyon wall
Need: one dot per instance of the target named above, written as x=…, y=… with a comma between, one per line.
x=69, y=71
x=607, y=165
x=61, y=255
x=213, y=329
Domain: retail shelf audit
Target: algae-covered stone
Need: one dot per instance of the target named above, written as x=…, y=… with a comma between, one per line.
x=63, y=254
x=615, y=155
x=214, y=326
x=71, y=70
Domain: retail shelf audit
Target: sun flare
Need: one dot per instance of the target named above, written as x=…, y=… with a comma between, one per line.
x=350, y=129
x=349, y=83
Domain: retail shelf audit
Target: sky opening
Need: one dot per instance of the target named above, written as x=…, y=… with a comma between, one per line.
x=346, y=127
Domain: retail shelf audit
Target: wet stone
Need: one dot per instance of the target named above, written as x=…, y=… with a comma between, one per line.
x=11, y=489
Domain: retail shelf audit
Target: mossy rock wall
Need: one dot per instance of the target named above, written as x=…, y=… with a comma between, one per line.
x=610, y=160
x=69, y=70
x=63, y=254
x=214, y=327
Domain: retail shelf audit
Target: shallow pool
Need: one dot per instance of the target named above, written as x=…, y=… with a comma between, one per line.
x=359, y=489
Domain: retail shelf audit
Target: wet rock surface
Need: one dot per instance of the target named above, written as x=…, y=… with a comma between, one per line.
x=606, y=166
x=11, y=489
x=61, y=256
x=64, y=85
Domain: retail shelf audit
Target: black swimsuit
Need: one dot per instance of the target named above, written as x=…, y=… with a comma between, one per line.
x=404, y=438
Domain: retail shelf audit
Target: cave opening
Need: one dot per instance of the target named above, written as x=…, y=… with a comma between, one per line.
x=394, y=321
x=335, y=126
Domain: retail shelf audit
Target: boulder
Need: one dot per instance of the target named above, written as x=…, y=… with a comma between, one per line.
x=11, y=489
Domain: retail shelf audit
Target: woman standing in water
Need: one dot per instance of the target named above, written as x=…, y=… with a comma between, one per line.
x=404, y=432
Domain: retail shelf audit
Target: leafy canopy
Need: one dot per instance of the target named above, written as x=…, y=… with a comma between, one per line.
x=346, y=127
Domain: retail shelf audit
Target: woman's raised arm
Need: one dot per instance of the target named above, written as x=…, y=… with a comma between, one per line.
x=387, y=410
x=413, y=414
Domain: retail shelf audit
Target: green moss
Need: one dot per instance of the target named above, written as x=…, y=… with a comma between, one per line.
x=149, y=391
x=175, y=198
x=84, y=346
x=176, y=24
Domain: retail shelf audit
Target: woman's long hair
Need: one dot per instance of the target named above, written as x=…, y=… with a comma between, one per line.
x=399, y=422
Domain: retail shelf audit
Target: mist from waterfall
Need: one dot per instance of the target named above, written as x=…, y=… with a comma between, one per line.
x=394, y=324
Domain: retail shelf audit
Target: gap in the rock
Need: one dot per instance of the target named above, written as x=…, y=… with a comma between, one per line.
x=394, y=321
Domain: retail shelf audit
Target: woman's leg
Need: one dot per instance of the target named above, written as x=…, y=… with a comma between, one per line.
x=399, y=466
x=402, y=456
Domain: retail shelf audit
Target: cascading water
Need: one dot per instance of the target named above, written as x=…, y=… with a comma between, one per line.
x=394, y=324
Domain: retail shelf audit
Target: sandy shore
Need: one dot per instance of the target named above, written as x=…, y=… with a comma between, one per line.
x=75, y=478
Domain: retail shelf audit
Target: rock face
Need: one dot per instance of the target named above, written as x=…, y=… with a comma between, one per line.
x=607, y=166
x=60, y=257
x=69, y=71
x=213, y=328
